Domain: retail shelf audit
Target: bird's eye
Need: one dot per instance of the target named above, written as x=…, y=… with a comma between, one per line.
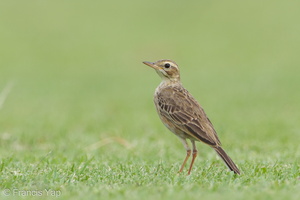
x=167, y=65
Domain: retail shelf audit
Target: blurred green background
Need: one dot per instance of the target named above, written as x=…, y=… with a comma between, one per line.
x=72, y=81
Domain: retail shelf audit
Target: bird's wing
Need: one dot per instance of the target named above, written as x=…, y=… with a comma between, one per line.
x=180, y=108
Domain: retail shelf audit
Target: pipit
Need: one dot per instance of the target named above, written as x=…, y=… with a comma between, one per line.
x=183, y=115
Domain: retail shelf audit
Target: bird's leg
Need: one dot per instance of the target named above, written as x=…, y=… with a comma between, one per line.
x=188, y=153
x=194, y=156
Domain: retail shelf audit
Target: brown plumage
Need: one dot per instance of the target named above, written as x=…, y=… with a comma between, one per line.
x=183, y=115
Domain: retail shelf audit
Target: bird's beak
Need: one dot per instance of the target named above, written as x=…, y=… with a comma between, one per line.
x=151, y=64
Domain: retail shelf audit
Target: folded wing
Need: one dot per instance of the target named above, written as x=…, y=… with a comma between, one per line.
x=179, y=107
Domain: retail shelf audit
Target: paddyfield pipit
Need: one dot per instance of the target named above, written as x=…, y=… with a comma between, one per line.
x=183, y=115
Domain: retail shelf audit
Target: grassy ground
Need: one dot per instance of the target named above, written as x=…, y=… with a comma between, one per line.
x=76, y=113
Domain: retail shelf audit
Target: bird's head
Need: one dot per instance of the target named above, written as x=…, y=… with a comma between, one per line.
x=167, y=69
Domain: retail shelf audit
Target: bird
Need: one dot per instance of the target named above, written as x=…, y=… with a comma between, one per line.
x=181, y=113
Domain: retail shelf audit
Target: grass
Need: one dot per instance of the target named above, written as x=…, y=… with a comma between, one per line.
x=76, y=111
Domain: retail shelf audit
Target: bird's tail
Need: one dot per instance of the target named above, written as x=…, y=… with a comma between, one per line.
x=230, y=164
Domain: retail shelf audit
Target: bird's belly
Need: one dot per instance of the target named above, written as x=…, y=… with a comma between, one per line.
x=175, y=130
